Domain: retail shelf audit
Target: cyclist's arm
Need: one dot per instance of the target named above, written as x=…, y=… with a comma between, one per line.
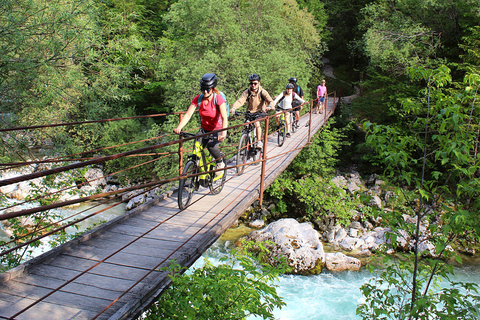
x=274, y=103
x=223, y=113
x=240, y=102
x=299, y=99
x=185, y=119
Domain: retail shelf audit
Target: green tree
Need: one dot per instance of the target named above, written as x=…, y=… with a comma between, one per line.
x=272, y=38
x=432, y=152
x=405, y=33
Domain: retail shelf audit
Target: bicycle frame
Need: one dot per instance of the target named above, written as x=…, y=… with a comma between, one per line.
x=282, y=117
x=198, y=155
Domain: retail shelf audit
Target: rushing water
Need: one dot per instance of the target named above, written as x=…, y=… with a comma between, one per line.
x=77, y=212
x=326, y=296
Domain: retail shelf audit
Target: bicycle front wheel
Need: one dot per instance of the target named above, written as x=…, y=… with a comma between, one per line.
x=282, y=133
x=186, y=186
x=218, y=180
x=242, y=153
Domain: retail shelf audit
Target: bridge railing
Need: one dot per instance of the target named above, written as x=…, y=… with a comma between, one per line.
x=37, y=207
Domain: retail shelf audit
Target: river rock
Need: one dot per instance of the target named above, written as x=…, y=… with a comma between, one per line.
x=376, y=202
x=298, y=242
x=350, y=243
x=95, y=177
x=14, y=173
x=340, y=262
x=256, y=224
x=135, y=202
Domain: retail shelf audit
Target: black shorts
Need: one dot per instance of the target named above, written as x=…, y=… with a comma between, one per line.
x=296, y=105
x=259, y=115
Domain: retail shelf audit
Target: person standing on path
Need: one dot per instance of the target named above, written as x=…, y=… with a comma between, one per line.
x=321, y=96
x=257, y=100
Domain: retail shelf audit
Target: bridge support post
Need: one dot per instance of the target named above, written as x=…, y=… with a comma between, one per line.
x=264, y=157
x=180, y=152
x=310, y=122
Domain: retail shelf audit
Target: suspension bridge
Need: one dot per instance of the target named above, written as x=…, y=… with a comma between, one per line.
x=115, y=270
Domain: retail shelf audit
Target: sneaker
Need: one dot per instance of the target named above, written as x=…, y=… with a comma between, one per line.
x=259, y=145
x=288, y=135
x=220, y=165
x=307, y=124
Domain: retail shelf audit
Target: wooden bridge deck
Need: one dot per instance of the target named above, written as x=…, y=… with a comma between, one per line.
x=112, y=272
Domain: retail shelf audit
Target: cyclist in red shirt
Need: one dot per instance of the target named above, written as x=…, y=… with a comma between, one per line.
x=213, y=112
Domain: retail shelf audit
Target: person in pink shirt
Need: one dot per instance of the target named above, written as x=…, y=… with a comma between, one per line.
x=213, y=112
x=321, y=95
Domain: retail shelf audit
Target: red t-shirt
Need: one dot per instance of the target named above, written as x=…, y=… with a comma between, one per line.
x=211, y=116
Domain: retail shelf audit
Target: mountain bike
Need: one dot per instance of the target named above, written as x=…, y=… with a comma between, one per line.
x=282, y=128
x=198, y=162
x=247, y=146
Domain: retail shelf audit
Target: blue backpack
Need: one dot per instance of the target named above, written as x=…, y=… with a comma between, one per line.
x=200, y=98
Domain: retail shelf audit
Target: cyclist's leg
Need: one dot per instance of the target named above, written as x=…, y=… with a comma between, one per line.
x=277, y=116
x=287, y=121
x=212, y=143
x=258, y=129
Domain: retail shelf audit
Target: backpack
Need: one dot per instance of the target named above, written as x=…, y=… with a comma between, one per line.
x=293, y=97
x=296, y=89
x=200, y=98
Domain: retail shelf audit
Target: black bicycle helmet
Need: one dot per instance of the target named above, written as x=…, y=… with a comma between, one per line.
x=254, y=77
x=209, y=80
x=292, y=80
x=289, y=86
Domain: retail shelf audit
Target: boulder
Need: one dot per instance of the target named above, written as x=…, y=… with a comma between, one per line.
x=298, y=242
x=257, y=224
x=350, y=243
x=95, y=177
x=340, y=262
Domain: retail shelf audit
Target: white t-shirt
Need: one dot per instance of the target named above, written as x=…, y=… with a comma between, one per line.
x=286, y=103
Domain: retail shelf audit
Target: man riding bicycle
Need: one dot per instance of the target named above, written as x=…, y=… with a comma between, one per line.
x=257, y=100
x=284, y=101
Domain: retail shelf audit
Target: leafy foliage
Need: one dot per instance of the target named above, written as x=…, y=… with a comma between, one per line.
x=235, y=289
x=305, y=189
x=387, y=296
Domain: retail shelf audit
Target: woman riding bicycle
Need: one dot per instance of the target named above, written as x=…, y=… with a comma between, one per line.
x=213, y=112
x=284, y=101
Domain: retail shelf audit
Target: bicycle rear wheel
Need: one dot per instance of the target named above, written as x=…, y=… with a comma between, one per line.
x=242, y=153
x=282, y=133
x=292, y=122
x=218, y=180
x=186, y=186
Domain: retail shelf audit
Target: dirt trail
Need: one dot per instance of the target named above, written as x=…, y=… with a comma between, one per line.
x=328, y=71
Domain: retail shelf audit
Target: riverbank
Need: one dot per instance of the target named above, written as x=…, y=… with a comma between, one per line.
x=327, y=296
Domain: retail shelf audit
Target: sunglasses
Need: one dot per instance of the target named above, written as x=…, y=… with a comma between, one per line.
x=206, y=89
x=253, y=83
